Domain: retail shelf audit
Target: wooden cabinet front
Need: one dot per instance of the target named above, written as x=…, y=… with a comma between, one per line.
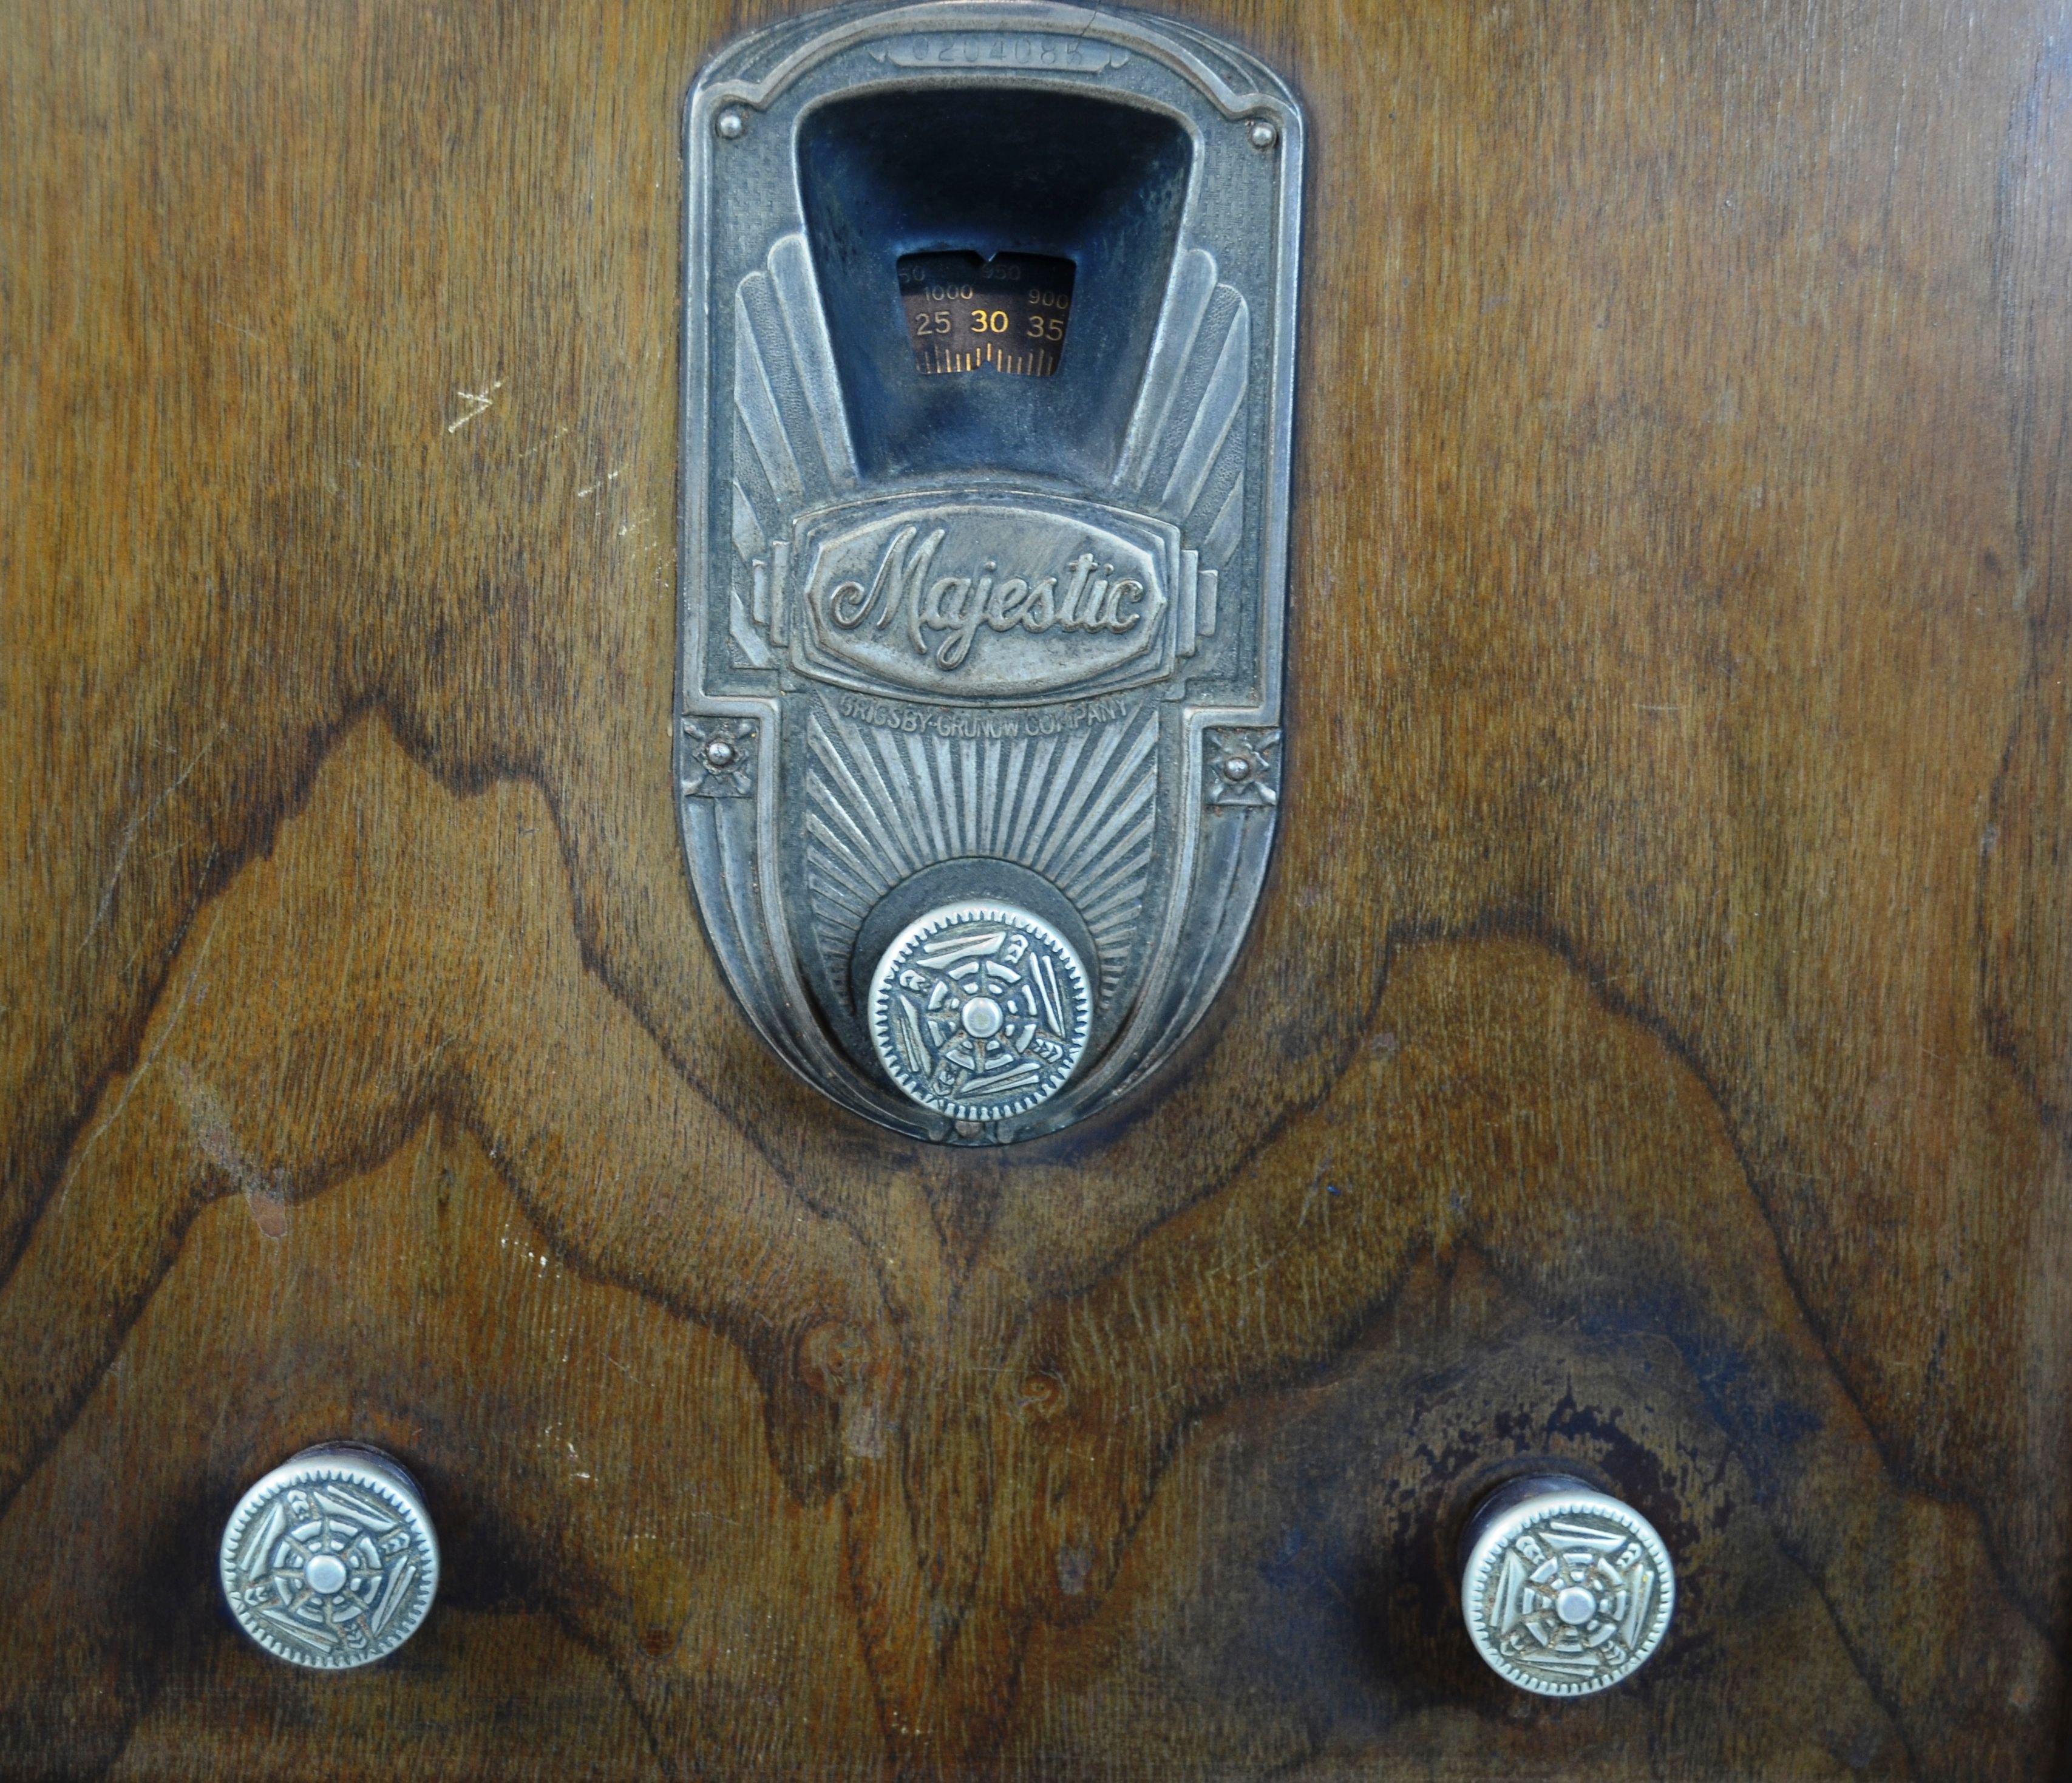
x=1653, y=1055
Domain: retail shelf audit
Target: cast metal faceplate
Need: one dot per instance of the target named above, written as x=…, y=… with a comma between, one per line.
x=1015, y=640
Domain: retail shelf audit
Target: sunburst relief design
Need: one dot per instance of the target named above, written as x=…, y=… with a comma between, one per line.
x=1077, y=805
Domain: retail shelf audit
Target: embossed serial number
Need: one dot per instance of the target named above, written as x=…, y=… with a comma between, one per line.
x=1005, y=49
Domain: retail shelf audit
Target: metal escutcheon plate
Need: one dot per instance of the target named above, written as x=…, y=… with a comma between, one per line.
x=983, y=575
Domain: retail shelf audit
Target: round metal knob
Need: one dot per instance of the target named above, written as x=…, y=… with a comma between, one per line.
x=1566, y=1591
x=330, y=1560
x=979, y=1010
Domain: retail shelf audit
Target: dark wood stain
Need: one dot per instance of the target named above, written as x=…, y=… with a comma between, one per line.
x=1654, y=1054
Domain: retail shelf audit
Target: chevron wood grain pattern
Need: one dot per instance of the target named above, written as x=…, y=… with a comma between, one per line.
x=1654, y=1053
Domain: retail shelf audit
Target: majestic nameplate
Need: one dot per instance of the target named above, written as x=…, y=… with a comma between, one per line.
x=984, y=553
x=989, y=599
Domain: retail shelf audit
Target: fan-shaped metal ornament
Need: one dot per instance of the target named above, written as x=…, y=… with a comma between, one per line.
x=988, y=362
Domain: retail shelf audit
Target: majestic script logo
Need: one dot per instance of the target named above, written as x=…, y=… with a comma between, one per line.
x=946, y=618
x=995, y=599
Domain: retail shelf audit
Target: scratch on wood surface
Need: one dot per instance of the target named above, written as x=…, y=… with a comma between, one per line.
x=478, y=402
x=157, y=1045
x=130, y=834
x=266, y=1191
x=863, y=1432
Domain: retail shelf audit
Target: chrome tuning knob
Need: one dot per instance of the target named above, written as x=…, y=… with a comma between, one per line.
x=330, y=1561
x=979, y=1010
x=1566, y=1590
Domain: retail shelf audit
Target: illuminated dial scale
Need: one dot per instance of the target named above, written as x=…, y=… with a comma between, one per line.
x=1006, y=314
